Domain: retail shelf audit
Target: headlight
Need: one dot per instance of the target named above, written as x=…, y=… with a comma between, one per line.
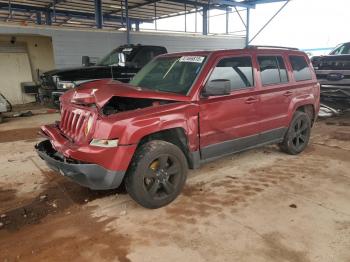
x=104, y=142
x=65, y=85
x=88, y=125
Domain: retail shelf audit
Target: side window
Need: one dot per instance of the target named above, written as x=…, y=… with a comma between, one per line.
x=272, y=70
x=238, y=70
x=301, y=69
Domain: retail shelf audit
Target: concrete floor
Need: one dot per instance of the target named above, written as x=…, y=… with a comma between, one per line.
x=261, y=205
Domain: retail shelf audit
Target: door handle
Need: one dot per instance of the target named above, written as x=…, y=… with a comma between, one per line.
x=288, y=93
x=251, y=100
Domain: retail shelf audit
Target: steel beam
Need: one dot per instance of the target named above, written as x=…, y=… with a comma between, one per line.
x=98, y=14
x=137, y=26
x=268, y=22
x=244, y=4
x=72, y=14
x=48, y=17
x=38, y=18
x=205, y=20
x=127, y=21
x=247, y=28
x=227, y=19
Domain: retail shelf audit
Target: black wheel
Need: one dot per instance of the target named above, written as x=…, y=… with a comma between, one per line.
x=1, y=118
x=157, y=174
x=298, y=134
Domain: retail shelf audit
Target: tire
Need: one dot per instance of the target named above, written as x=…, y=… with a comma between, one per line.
x=1, y=118
x=298, y=134
x=157, y=174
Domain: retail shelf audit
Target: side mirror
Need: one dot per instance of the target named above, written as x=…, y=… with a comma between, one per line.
x=217, y=87
x=85, y=60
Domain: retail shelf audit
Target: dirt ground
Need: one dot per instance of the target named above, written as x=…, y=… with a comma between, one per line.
x=260, y=205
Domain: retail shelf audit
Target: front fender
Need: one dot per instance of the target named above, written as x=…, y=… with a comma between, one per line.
x=185, y=118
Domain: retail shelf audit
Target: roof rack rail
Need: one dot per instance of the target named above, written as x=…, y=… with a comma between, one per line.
x=271, y=47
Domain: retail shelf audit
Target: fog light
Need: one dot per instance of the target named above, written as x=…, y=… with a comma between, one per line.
x=104, y=142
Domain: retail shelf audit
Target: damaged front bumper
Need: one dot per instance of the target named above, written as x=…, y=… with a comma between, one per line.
x=88, y=175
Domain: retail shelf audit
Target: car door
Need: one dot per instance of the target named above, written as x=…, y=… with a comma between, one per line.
x=229, y=123
x=275, y=96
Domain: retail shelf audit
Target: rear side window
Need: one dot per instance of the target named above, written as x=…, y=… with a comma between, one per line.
x=272, y=70
x=301, y=69
x=238, y=70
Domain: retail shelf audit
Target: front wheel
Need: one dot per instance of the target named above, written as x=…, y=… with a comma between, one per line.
x=157, y=174
x=298, y=134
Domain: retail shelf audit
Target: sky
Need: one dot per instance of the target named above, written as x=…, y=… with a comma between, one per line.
x=304, y=24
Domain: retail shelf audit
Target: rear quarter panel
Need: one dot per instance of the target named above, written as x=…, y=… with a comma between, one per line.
x=307, y=92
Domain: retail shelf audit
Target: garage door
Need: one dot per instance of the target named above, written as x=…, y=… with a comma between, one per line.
x=14, y=69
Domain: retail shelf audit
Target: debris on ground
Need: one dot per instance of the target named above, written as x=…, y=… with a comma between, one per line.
x=293, y=206
x=1, y=225
x=327, y=111
x=3, y=216
x=43, y=197
x=23, y=114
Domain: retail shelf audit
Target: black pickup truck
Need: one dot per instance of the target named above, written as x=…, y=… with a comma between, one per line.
x=333, y=73
x=121, y=64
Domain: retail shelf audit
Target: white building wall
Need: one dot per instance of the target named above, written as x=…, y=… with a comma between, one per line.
x=70, y=45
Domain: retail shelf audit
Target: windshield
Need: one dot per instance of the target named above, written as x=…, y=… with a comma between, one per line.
x=343, y=49
x=117, y=57
x=170, y=74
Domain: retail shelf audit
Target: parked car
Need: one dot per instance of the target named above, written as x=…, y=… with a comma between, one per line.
x=180, y=111
x=333, y=73
x=121, y=64
x=5, y=106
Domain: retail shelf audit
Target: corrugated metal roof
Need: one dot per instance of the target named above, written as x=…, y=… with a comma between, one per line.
x=81, y=12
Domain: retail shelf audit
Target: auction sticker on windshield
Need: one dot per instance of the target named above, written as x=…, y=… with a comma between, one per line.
x=192, y=59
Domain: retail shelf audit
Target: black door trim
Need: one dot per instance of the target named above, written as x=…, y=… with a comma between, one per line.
x=218, y=150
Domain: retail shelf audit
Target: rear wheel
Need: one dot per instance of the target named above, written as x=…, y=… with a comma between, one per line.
x=157, y=174
x=298, y=134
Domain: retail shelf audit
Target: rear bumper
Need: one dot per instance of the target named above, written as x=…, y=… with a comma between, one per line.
x=92, y=176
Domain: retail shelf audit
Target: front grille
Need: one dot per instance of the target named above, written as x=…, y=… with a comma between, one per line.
x=47, y=81
x=73, y=122
x=334, y=65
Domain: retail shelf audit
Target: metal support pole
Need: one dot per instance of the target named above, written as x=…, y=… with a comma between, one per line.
x=127, y=21
x=98, y=13
x=227, y=19
x=38, y=18
x=137, y=26
x=185, y=18
x=247, y=27
x=48, y=17
x=205, y=20
x=268, y=22
x=10, y=10
x=195, y=20
x=54, y=10
x=122, y=12
x=155, y=15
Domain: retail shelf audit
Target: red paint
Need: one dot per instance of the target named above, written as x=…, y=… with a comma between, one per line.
x=205, y=121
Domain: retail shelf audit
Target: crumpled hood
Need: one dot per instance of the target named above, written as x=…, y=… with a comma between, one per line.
x=100, y=92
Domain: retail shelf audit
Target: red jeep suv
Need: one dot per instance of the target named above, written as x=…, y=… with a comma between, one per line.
x=179, y=111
